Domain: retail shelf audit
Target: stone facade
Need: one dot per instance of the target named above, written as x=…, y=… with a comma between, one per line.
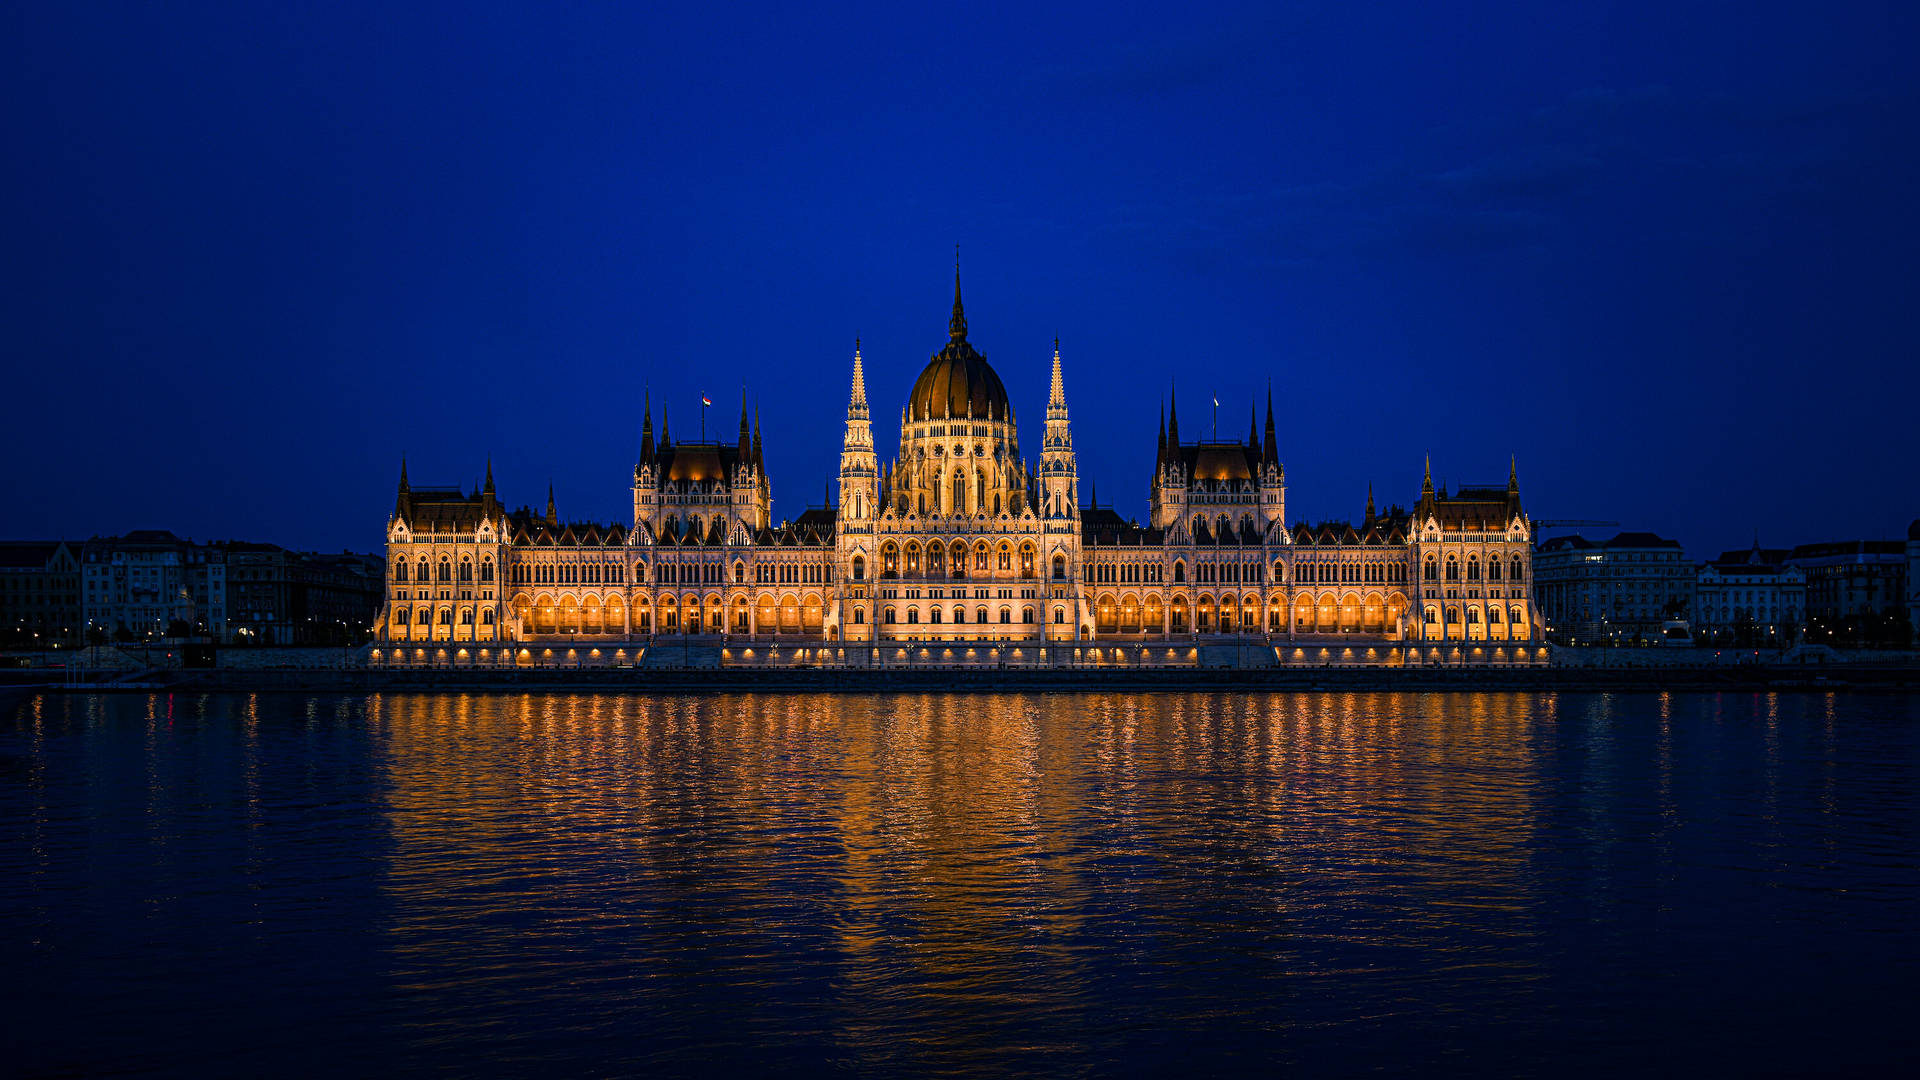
x=958, y=538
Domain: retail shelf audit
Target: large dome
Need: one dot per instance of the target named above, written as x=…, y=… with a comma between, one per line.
x=957, y=380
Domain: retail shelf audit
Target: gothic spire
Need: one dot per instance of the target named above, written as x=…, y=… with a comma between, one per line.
x=1270, y=447
x=552, y=518
x=1370, y=515
x=957, y=326
x=746, y=439
x=1253, y=427
x=857, y=402
x=1160, y=456
x=403, y=500
x=488, y=490
x=666, y=437
x=646, y=429
x=1057, y=392
x=1173, y=417
x=759, y=465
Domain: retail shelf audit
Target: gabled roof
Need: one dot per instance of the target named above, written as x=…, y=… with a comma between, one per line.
x=29, y=554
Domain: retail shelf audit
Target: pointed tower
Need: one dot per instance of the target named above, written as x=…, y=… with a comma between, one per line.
x=646, y=429
x=1059, y=476
x=403, y=501
x=645, y=476
x=1253, y=428
x=1513, y=491
x=1424, y=507
x=552, y=518
x=1270, y=446
x=746, y=436
x=1367, y=521
x=859, y=467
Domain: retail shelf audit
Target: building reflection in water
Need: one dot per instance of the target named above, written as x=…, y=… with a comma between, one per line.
x=988, y=872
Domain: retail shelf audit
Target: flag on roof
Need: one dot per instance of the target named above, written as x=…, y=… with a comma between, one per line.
x=705, y=400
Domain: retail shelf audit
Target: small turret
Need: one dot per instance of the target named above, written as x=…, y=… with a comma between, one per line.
x=552, y=518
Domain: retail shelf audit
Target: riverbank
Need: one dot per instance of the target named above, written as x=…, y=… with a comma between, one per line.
x=1743, y=678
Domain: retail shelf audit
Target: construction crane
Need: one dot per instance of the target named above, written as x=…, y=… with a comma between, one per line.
x=1542, y=524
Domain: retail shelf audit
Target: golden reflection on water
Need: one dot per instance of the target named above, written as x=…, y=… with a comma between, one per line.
x=954, y=849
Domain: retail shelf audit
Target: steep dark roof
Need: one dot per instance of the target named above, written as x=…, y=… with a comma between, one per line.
x=1640, y=540
x=28, y=554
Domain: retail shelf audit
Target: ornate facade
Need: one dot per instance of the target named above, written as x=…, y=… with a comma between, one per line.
x=958, y=538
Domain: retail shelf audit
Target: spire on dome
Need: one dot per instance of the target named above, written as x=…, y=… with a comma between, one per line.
x=957, y=325
x=488, y=490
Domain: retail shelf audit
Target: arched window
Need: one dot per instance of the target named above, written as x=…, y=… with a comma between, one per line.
x=1006, y=615
x=859, y=615
x=422, y=577
x=1059, y=568
x=1453, y=569
x=486, y=570
x=913, y=615
x=1179, y=573
x=1516, y=567
x=400, y=571
x=933, y=615
x=1429, y=571
x=913, y=558
x=1279, y=573
x=958, y=559
x=889, y=560
x=486, y=617
x=1493, y=568
x=980, y=557
x=446, y=571
x=887, y=616
x=1199, y=524
x=1059, y=615
x=859, y=568
x=959, y=614
x=466, y=570
x=936, y=558
x=1473, y=568
x=423, y=617
x=466, y=616
x=739, y=573
x=1026, y=560
x=1026, y=614
x=1006, y=556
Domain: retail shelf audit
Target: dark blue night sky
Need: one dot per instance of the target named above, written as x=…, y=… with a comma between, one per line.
x=1663, y=253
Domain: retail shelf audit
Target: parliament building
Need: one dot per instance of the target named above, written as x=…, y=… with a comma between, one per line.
x=957, y=538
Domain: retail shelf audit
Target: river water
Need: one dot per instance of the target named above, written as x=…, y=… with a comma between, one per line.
x=1040, y=885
